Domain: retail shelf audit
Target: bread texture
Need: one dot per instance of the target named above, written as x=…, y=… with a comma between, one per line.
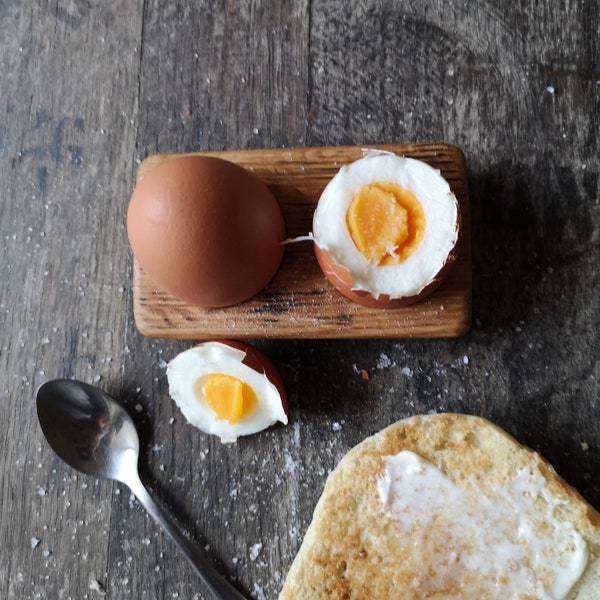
x=354, y=548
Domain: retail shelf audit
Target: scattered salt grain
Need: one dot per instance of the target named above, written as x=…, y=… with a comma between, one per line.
x=407, y=371
x=385, y=362
x=96, y=586
x=162, y=364
x=35, y=542
x=290, y=463
x=255, y=551
x=465, y=359
x=550, y=89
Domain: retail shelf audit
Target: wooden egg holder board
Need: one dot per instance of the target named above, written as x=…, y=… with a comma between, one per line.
x=299, y=302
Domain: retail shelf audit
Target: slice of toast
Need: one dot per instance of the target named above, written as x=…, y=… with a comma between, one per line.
x=447, y=506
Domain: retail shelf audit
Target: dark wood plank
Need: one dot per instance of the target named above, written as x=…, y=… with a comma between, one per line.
x=66, y=137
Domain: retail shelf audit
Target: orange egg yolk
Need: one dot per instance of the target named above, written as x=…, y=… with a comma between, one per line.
x=386, y=222
x=228, y=397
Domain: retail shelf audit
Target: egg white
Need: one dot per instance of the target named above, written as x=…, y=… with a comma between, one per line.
x=214, y=357
x=440, y=207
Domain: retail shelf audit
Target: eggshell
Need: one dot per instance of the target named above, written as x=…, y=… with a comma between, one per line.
x=261, y=363
x=339, y=276
x=410, y=279
x=206, y=230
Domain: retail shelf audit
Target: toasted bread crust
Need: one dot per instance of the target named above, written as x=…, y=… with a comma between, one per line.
x=350, y=551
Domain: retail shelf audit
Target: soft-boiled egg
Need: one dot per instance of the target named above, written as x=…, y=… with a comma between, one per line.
x=206, y=230
x=386, y=230
x=227, y=388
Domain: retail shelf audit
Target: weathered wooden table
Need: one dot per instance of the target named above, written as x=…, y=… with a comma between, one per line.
x=87, y=92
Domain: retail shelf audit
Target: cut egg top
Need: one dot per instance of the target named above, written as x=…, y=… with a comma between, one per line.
x=391, y=222
x=227, y=389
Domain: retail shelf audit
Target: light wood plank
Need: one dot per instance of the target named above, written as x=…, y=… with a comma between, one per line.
x=299, y=302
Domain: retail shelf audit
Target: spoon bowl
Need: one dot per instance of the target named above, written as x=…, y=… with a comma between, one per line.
x=88, y=429
x=95, y=435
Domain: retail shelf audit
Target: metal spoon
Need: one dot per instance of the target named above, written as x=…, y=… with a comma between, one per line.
x=94, y=434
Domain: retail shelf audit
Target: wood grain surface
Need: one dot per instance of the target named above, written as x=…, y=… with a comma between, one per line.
x=299, y=302
x=90, y=89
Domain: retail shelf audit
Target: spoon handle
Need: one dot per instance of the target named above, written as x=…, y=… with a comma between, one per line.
x=219, y=586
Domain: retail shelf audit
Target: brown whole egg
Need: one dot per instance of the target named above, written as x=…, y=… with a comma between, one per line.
x=206, y=230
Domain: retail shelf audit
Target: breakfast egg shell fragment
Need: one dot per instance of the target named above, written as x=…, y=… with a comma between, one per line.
x=415, y=277
x=239, y=360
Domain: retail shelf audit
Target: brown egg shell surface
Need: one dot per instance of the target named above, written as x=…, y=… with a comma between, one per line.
x=206, y=230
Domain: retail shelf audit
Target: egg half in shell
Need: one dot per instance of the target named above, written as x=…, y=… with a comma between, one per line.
x=386, y=230
x=227, y=388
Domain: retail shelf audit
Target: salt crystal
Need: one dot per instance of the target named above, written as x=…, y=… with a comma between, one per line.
x=255, y=551
x=35, y=542
x=96, y=586
x=465, y=359
x=385, y=362
x=258, y=592
x=550, y=89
